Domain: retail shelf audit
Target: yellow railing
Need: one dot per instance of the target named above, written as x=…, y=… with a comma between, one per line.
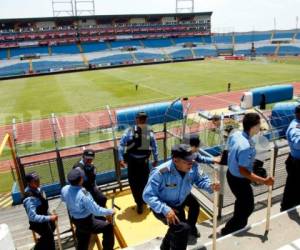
x=7, y=141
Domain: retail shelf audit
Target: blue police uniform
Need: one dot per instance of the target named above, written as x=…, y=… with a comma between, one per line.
x=83, y=209
x=241, y=154
x=204, y=159
x=89, y=179
x=291, y=197
x=36, y=206
x=135, y=148
x=167, y=189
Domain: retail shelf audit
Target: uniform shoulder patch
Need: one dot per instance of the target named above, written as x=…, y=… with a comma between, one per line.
x=164, y=170
x=85, y=191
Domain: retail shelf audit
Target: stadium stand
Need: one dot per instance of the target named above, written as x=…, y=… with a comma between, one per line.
x=183, y=40
x=17, y=52
x=65, y=49
x=285, y=50
x=126, y=43
x=265, y=50
x=205, y=51
x=113, y=59
x=93, y=47
x=14, y=69
x=3, y=54
x=157, y=43
x=222, y=38
x=279, y=35
x=48, y=66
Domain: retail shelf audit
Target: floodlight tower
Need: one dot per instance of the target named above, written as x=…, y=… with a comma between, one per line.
x=185, y=6
x=84, y=7
x=62, y=8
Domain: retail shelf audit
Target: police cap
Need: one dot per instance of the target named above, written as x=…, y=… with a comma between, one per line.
x=74, y=175
x=183, y=151
x=192, y=139
x=88, y=154
x=141, y=114
x=31, y=176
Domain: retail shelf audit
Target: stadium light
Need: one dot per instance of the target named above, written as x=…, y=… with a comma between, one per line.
x=62, y=8
x=184, y=6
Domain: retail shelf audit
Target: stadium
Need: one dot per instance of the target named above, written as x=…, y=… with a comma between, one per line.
x=76, y=81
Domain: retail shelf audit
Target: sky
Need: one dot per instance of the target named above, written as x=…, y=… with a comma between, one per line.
x=228, y=15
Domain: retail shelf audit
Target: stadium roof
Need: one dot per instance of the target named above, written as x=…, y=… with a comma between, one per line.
x=101, y=17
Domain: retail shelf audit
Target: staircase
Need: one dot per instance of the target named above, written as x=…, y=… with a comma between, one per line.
x=108, y=45
x=193, y=53
x=272, y=35
x=166, y=55
x=277, y=49
x=80, y=47
x=133, y=56
x=142, y=44
x=295, y=35
x=5, y=200
x=233, y=41
x=49, y=51
x=8, y=53
x=173, y=42
x=30, y=67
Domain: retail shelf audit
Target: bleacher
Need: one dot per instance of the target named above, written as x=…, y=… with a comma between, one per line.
x=182, y=40
x=288, y=50
x=16, y=52
x=126, y=43
x=113, y=59
x=205, y=51
x=65, y=49
x=49, y=65
x=14, y=69
x=148, y=56
x=222, y=38
x=181, y=54
x=157, y=43
x=279, y=35
x=265, y=50
x=252, y=37
x=93, y=47
x=3, y=54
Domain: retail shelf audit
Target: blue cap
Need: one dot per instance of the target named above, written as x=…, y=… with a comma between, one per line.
x=74, y=175
x=31, y=176
x=183, y=151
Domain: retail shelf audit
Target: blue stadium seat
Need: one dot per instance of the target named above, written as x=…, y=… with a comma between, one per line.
x=288, y=50
x=247, y=38
x=157, y=43
x=183, y=40
x=16, y=52
x=245, y=52
x=222, y=38
x=3, y=54
x=65, y=49
x=298, y=35
x=127, y=43
x=14, y=70
x=279, y=35
x=45, y=66
x=148, y=56
x=93, y=47
x=205, y=52
x=266, y=50
x=206, y=39
x=261, y=36
x=181, y=54
x=114, y=59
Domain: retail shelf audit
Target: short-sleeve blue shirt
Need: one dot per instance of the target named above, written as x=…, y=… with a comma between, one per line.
x=293, y=137
x=241, y=153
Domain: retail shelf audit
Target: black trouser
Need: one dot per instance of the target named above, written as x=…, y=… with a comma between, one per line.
x=97, y=195
x=176, y=237
x=90, y=225
x=45, y=230
x=291, y=196
x=244, y=203
x=138, y=173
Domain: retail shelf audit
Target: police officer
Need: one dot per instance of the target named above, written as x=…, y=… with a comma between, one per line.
x=134, y=149
x=36, y=206
x=240, y=172
x=89, y=183
x=168, y=191
x=291, y=197
x=83, y=209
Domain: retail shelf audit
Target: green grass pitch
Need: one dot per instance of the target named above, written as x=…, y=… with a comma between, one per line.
x=32, y=98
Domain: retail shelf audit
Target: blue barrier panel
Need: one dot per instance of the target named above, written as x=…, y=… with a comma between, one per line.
x=282, y=115
x=276, y=93
x=156, y=113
